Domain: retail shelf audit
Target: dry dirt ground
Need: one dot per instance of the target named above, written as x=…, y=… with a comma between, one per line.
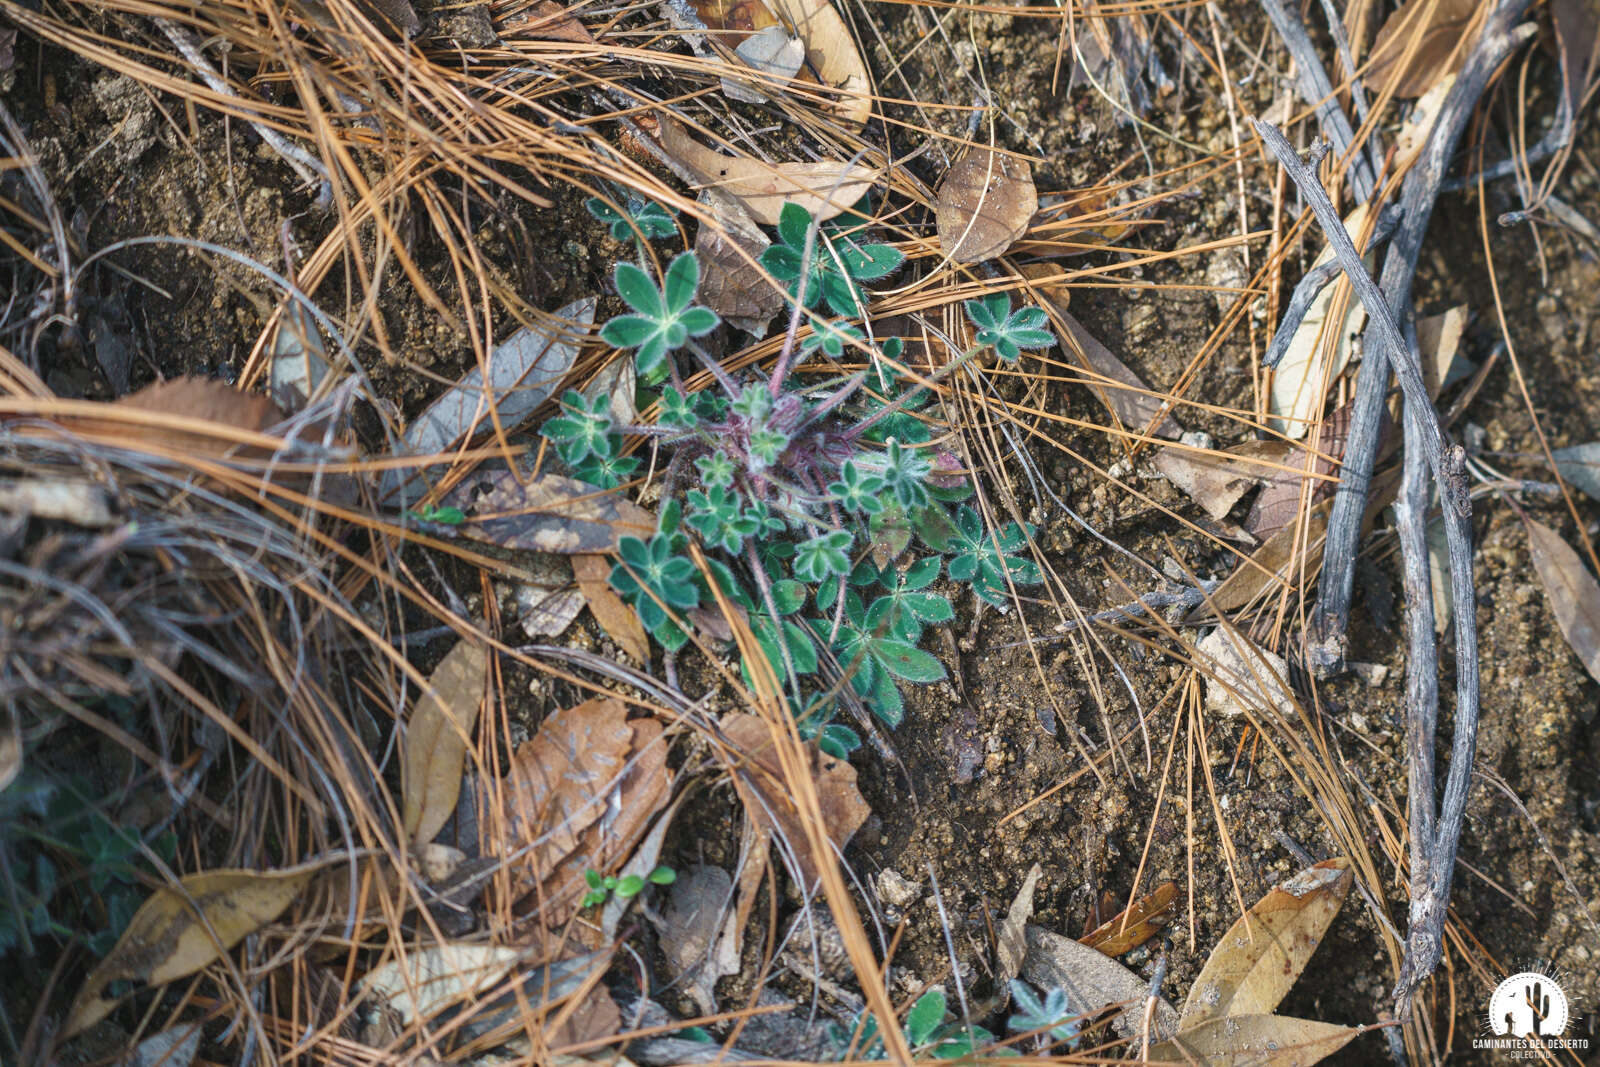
x=978, y=748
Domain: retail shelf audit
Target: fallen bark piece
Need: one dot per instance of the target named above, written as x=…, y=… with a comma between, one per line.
x=1243, y=680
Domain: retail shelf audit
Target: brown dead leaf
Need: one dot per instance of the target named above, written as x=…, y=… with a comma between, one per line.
x=167, y=940
x=1135, y=925
x=1434, y=32
x=985, y=203
x=1011, y=945
x=1255, y=1041
x=730, y=283
x=547, y=514
x=824, y=189
x=437, y=737
x=562, y=777
x=1438, y=342
x=1258, y=960
x=610, y=610
x=1577, y=25
x=596, y=1017
x=693, y=925
x=204, y=399
x=582, y=792
x=830, y=52
x=1574, y=597
x=767, y=798
x=1280, y=499
x=1242, y=679
x=546, y=20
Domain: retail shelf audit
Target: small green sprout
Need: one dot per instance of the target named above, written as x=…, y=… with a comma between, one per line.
x=640, y=218
x=601, y=888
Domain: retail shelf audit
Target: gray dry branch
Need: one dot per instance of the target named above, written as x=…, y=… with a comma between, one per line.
x=1432, y=855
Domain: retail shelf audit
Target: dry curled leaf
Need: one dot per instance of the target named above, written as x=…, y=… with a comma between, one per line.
x=610, y=610
x=524, y=371
x=1573, y=594
x=731, y=282
x=427, y=981
x=1216, y=480
x=1285, y=492
x=166, y=939
x=984, y=205
x=581, y=793
x=1255, y=1041
x=824, y=189
x=768, y=799
x=770, y=51
x=546, y=20
x=1134, y=925
x=694, y=930
x=73, y=500
x=1580, y=465
x=1434, y=32
x=1320, y=348
x=547, y=514
x=1011, y=945
x=437, y=737
x=831, y=52
x=1258, y=960
x=1093, y=981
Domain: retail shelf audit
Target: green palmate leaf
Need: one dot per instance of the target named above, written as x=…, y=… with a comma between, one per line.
x=1007, y=331
x=676, y=409
x=870, y=262
x=823, y=556
x=628, y=331
x=794, y=222
x=766, y=445
x=857, y=490
x=841, y=293
x=607, y=472
x=716, y=469
x=683, y=278
x=904, y=472
x=698, y=321
x=582, y=430
x=831, y=338
x=788, y=596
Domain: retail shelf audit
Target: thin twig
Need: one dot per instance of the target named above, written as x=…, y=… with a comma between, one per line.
x=307, y=166
x=1432, y=859
x=1311, y=284
x=1317, y=90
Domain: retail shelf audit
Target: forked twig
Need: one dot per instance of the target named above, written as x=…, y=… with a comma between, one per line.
x=1434, y=837
x=1330, y=618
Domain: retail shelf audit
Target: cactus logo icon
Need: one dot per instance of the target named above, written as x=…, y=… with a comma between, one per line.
x=1528, y=1005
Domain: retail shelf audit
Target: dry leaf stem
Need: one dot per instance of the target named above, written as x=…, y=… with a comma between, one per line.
x=1432, y=855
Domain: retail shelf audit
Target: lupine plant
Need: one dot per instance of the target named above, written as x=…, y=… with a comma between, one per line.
x=824, y=509
x=929, y=1029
